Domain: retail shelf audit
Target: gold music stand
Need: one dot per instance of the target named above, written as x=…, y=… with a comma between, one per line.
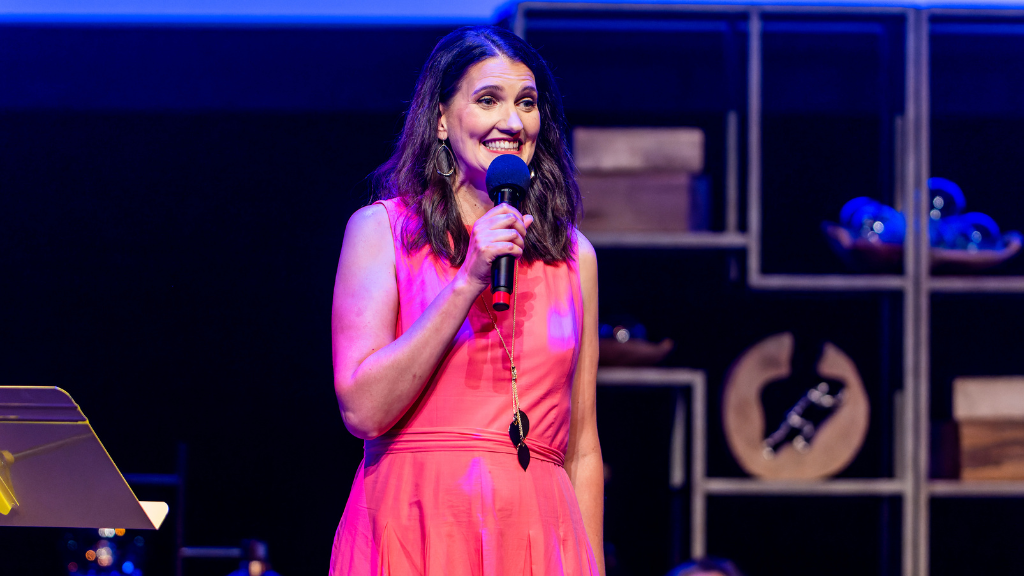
x=55, y=472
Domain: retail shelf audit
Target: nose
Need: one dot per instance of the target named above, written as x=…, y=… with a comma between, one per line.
x=513, y=123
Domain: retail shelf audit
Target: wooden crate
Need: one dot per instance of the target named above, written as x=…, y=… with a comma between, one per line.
x=641, y=179
x=990, y=414
x=636, y=202
x=992, y=450
x=638, y=150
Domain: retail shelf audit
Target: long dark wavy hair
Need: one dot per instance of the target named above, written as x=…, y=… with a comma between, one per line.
x=411, y=174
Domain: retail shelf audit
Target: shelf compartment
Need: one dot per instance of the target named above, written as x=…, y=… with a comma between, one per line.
x=802, y=167
x=677, y=378
x=835, y=487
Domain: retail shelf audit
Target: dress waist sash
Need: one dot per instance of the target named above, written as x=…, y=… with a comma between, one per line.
x=456, y=440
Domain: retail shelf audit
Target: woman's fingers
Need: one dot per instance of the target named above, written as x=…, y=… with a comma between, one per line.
x=499, y=232
x=505, y=209
x=498, y=243
x=506, y=235
x=505, y=216
x=509, y=248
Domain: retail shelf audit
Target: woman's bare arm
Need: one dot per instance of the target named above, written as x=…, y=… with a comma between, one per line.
x=376, y=376
x=583, y=460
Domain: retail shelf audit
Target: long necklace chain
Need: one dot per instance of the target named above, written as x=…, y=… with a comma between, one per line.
x=510, y=351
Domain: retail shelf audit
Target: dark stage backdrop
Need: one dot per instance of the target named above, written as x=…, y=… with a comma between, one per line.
x=173, y=272
x=172, y=204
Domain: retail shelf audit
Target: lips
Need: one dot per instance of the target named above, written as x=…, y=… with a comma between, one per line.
x=503, y=146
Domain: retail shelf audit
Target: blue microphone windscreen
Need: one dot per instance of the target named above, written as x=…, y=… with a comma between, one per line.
x=508, y=170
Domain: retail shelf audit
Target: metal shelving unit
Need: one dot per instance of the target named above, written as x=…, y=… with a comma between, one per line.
x=906, y=484
x=928, y=285
x=916, y=285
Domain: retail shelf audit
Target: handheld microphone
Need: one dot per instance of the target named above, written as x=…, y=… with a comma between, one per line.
x=508, y=178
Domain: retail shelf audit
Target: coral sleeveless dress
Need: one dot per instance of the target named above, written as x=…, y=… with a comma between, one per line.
x=442, y=493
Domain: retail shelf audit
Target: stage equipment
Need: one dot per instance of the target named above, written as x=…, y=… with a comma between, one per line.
x=989, y=412
x=55, y=472
x=104, y=552
x=508, y=179
x=822, y=432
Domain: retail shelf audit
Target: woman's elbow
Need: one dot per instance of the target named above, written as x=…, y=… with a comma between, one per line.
x=358, y=419
x=362, y=428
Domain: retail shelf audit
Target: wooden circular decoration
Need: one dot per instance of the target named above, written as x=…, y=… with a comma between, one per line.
x=837, y=440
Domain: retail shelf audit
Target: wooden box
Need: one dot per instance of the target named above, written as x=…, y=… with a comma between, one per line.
x=636, y=202
x=641, y=179
x=990, y=415
x=992, y=450
x=638, y=150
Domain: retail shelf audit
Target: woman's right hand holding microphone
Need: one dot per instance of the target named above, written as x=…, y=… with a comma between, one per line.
x=501, y=231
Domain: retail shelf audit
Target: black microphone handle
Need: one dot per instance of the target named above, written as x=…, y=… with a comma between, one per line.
x=503, y=268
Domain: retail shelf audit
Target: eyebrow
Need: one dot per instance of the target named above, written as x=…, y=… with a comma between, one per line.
x=494, y=87
x=497, y=88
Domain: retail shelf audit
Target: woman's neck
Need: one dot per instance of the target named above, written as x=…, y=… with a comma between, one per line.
x=473, y=202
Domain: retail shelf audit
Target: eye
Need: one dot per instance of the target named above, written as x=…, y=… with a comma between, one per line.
x=528, y=103
x=487, y=101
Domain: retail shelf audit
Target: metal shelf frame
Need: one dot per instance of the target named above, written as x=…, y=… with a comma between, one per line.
x=912, y=425
x=839, y=487
x=677, y=240
x=928, y=284
x=976, y=489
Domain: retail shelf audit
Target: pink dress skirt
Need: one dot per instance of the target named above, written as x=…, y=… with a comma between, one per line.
x=442, y=493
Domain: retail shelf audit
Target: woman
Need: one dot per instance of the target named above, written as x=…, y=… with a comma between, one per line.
x=423, y=365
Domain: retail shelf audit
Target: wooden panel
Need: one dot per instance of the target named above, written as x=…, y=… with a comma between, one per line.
x=639, y=150
x=992, y=450
x=636, y=202
x=988, y=398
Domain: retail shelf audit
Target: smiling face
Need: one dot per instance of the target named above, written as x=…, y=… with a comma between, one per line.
x=493, y=112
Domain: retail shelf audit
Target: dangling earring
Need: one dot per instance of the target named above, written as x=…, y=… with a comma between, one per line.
x=533, y=173
x=444, y=161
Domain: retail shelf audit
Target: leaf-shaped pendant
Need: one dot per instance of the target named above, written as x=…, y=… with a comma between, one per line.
x=513, y=429
x=524, y=455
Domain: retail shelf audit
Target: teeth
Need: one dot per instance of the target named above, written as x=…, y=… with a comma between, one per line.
x=502, y=145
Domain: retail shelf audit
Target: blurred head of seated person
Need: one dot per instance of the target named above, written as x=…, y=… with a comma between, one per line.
x=707, y=566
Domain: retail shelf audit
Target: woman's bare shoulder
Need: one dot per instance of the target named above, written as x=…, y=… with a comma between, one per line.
x=585, y=253
x=368, y=226
x=369, y=218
